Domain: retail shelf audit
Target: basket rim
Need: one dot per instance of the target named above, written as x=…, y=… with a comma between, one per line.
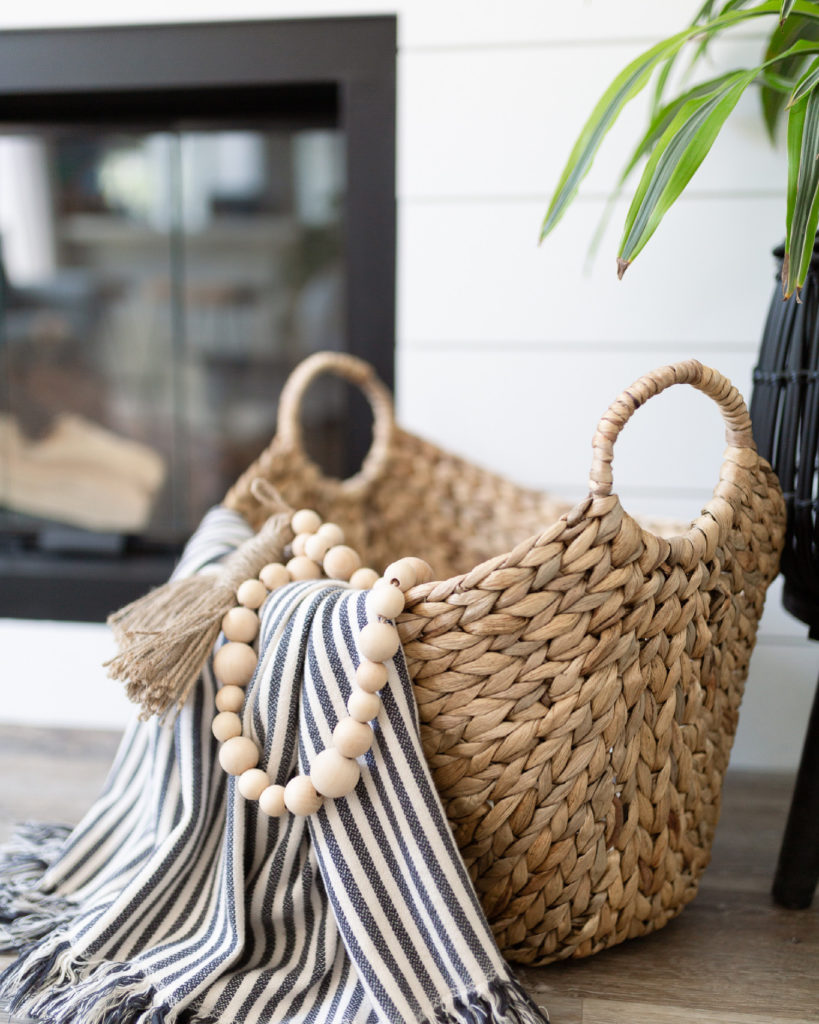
x=703, y=534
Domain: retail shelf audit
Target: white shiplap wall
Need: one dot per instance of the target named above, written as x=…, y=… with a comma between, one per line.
x=508, y=352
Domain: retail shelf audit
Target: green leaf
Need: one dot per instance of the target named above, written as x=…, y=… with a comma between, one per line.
x=782, y=39
x=666, y=115
x=780, y=83
x=803, y=191
x=796, y=123
x=676, y=157
x=807, y=83
x=706, y=37
x=703, y=15
x=683, y=146
x=800, y=50
x=773, y=102
x=659, y=87
x=655, y=130
x=787, y=5
x=626, y=86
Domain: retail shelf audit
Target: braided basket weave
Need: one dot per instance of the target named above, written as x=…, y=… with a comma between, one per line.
x=578, y=677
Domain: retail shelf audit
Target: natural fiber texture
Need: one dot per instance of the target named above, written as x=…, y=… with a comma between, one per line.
x=165, y=637
x=578, y=690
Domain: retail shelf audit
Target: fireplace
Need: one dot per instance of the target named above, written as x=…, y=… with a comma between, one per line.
x=186, y=211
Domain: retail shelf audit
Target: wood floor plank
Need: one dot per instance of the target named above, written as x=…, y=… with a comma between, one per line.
x=561, y=1009
x=603, y=1011
x=51, y=774
x=749, y=832
x=753, y=958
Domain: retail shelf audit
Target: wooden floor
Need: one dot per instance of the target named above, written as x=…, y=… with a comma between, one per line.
x=732, y=957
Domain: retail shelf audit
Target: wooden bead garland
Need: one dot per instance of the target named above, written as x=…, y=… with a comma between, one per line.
x=317, y=549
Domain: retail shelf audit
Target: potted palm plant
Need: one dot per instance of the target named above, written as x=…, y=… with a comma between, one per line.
x=683, y=124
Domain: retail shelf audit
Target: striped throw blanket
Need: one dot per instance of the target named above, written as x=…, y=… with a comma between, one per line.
x=176, y=900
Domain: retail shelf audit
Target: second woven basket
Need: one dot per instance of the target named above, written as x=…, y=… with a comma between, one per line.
x=578, y=676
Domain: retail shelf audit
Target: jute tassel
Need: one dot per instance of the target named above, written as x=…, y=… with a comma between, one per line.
x=165, y=637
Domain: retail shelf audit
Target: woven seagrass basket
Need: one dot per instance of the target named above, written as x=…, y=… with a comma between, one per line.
x=578, y=677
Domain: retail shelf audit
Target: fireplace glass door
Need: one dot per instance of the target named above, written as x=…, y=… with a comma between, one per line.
x=156, y=287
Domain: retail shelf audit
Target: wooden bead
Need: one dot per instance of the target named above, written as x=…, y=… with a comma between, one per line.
x=238, y=755
x=317, y=547
x=274, y=575
x=352, y=738
x=334, y=775
x=305, y=521
x=241, y=624
x=371, y=676
x=226, y=725
x=300, y=796
x=300, y=542
x=234, y=664
x=363, y=706
x=230, y=698
x=401, y=574
x=253, y=783
x=423, y=570
x=251, y=593
x=363, y=578
x=386, y=601
x=303, y=568
x=271, y=801
x=341, y=562
x=332, y=533
x=379, y=641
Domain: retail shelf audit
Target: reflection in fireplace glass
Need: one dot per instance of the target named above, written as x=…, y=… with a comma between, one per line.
x=155, y=290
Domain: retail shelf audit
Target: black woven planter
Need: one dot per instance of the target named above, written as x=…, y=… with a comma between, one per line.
x=785, y=414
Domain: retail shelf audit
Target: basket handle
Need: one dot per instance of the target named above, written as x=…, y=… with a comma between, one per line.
x=711, y=382
x=357, y=372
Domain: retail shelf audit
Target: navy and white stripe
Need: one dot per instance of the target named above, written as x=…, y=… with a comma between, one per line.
x=176, y=900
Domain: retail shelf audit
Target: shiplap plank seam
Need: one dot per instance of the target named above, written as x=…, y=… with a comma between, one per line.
x=535, y=346
x=691, y=194
x=579, y=43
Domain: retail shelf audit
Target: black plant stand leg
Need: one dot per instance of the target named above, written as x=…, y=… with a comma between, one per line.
x=798, y=869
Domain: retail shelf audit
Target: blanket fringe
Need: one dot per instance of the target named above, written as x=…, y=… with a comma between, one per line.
x=26, y=912
x=503, y=1001
x=111, y=993
x=48, y=982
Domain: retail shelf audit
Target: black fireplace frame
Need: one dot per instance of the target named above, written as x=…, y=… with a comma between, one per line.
x=318, y=70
